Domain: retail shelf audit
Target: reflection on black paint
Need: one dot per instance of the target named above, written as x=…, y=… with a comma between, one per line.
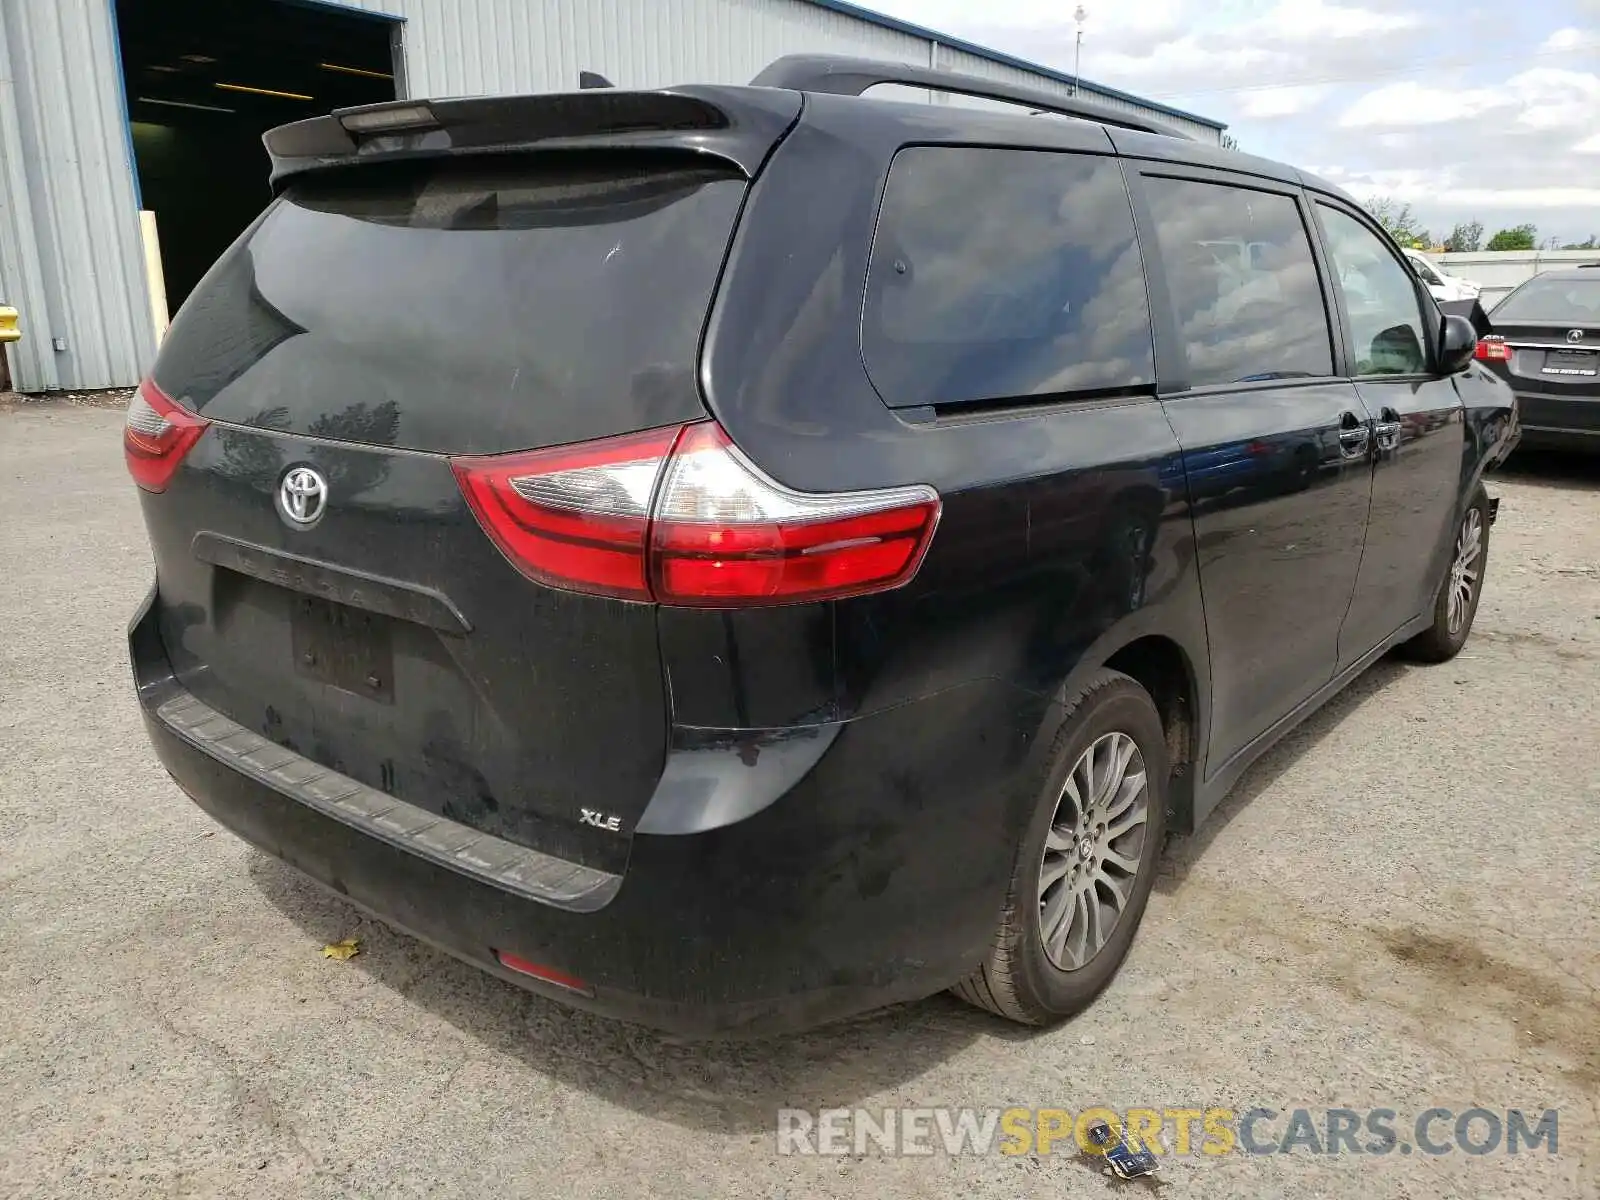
x=249, y=457
x=351, y=472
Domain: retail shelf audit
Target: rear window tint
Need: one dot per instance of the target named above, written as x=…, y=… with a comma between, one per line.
x=466, y=306
x=1003, y=273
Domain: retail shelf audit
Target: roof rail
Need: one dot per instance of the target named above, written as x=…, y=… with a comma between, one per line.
x=843, y=76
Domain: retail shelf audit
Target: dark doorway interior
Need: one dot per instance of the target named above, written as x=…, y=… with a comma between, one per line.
x=205, y=79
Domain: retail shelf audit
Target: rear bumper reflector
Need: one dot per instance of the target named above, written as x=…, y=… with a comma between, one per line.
x=505, y=865
x=522, y=966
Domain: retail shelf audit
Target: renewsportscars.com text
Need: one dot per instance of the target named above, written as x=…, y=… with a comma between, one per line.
x=1167, y=1130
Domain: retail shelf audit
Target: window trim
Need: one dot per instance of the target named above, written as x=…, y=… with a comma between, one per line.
x=1432, y=329
x=1173, y=379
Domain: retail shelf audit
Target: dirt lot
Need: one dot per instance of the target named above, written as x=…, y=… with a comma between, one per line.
x=1399, y=907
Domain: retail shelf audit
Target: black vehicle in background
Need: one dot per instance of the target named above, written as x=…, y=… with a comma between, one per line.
x=1546, y=345
x=734, y=557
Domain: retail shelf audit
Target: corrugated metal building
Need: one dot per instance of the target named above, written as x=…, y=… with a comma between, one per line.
x=79, y=263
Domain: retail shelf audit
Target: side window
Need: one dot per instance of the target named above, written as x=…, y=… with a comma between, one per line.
x=1000, y=274
x=1244, y=283
x=1380, y=299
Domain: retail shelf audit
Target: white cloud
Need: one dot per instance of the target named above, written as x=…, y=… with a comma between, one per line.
x=1280, y=102
x=1543, y=98
x=1555, y=99
x=1410, y=103
x=1314, y=21
x=1589, y=145
x=1570, y=38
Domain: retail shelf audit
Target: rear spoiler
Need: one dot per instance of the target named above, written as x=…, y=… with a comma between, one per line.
x=737, y=125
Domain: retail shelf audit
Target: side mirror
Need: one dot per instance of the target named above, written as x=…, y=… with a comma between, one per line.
x=1458, y=343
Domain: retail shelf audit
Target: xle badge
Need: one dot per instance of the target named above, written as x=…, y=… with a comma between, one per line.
x=599, y=820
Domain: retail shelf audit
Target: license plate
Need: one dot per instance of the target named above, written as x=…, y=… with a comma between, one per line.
x=343, y=647
x=1571, y=362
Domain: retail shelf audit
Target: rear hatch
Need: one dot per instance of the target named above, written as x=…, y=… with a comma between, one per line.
x=1552, y=327
x=375, y=321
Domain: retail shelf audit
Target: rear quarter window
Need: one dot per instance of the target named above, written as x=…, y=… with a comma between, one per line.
x=999, y=274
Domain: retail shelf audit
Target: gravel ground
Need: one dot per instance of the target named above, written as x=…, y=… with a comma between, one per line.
x=1399, y=907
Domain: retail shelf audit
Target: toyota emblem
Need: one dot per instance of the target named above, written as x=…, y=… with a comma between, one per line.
x=302, y=496
x=1574, y=335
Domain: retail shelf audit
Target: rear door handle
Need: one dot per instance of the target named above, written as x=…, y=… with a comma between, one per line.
x=1387, y=431
x=1354, y=436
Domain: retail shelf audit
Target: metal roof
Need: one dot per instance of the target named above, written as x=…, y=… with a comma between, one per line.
x=885, y=21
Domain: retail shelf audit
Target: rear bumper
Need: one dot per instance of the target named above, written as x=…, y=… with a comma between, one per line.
x=869, y=881
x=1559, y=422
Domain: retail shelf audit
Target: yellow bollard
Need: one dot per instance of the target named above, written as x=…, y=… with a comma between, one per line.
x=8, y=325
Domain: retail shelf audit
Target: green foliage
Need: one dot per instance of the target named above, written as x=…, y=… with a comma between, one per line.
x=1465, y=236
x=1519, y=237
x=1400, y=221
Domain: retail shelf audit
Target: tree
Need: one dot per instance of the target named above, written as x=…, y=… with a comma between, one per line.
x=1465, y=237
x=1593, y=243
x=1400, y=221
x=1518, y=237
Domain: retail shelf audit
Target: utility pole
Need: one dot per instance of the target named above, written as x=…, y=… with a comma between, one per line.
x=1080, y=16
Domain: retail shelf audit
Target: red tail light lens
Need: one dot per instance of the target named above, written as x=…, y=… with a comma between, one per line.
x=1492, y=349
x=681, y=516
x=575, y=517
x=725, y=533
x=156, y=434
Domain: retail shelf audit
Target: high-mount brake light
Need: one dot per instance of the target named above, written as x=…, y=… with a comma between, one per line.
x=156, y=434
x=681, y=516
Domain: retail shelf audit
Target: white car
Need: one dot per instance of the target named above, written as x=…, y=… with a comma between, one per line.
x=1440, y=285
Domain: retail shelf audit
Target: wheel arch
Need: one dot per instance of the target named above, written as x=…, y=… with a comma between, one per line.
x=1173, y=675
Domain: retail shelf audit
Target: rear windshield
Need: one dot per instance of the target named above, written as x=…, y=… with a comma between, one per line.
x=463, y=306
x=1559, y=301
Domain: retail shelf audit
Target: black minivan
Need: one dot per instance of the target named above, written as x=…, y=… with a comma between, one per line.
x=733, y=557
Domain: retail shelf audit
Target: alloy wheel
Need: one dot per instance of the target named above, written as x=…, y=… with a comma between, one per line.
x=1464, y=570
x=1093, y=850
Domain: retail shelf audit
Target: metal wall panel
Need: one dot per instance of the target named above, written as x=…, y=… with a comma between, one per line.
x=468, y=47
x=68, y=175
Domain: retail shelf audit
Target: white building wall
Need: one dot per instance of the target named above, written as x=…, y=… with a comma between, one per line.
x=70, y=248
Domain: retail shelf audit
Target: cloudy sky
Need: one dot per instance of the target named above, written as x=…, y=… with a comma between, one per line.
x=1468, y=110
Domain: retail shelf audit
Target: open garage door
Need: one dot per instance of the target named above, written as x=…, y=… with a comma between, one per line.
x=205, y=79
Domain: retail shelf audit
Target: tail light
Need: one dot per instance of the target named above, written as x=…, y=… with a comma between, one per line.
x=1492, y=349
x=156, y=435
x=681, y=516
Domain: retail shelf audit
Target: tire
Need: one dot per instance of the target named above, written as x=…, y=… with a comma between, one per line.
x=1020, y=979
x=1443, y=640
